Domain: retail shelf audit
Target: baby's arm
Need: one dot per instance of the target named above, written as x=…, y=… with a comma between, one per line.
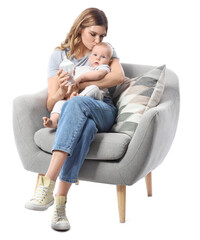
x=91, y=76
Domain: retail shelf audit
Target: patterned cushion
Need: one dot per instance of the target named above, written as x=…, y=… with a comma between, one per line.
x=120, y=89
x=144, y=92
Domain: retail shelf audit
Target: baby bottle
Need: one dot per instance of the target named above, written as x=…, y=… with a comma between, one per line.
x=68, y=66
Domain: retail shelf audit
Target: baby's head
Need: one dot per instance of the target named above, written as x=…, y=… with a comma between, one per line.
x=101, y=54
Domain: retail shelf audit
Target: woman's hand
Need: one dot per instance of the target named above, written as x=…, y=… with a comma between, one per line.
x=57, y=89
x=63, y=81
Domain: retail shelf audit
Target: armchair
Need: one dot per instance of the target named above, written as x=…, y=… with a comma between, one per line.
x=129, y=158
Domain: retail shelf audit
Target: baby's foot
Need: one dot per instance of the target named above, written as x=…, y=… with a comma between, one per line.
x=48, y=123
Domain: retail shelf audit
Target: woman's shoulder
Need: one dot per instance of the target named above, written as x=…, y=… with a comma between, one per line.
x=58, y=54
x=55, y=60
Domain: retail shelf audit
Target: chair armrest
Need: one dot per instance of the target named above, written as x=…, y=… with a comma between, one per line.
x=151, y=142
x=28, y=111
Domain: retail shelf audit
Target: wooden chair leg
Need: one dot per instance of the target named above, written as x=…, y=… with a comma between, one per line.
x=121, y=196
x=38, y=180
x=148, y=180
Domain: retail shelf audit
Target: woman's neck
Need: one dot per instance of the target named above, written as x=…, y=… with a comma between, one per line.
x=82, y=52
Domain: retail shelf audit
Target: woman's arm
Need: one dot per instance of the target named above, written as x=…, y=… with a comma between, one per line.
x=115, y=77
x=57, y=89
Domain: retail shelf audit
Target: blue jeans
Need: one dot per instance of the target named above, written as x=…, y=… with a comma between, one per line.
x=81, y=117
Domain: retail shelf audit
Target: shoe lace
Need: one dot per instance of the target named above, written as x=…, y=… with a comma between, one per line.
x=40, y=193
x=59, y=213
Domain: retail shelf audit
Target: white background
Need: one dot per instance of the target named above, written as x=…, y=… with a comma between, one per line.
x=152, y=32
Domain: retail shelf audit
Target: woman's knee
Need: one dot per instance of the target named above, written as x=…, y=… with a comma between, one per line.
x=80, y=102
x=76, y=106
x=70, y=104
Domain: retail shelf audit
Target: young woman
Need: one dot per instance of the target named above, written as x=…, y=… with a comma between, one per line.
x=81, y=117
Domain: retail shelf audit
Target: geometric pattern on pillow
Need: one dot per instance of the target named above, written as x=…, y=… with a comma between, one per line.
x=144, y=92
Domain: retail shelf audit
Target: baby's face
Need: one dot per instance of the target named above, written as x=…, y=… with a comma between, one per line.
x=100, y=55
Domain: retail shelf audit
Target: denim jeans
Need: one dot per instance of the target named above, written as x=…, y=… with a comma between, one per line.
x=81, y=118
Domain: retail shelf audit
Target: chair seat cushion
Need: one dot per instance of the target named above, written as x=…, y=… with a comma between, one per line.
x=105, y=146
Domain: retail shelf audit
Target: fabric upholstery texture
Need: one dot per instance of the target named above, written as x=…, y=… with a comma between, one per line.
x=143, y=92
x=117, y=144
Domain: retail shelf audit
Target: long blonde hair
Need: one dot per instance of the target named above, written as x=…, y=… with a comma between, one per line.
x=89, y=17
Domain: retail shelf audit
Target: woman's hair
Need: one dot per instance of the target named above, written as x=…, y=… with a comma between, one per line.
x=89, y=17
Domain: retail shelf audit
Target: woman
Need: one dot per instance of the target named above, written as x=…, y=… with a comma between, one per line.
x=81, y=116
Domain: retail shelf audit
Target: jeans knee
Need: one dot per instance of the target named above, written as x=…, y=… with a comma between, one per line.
x=79, y=103
x=71, y=104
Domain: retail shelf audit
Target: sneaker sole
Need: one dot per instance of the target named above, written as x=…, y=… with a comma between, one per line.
x=63, y=227
x=36, y=207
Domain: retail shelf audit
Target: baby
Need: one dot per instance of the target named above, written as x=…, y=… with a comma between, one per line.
x=99, y=61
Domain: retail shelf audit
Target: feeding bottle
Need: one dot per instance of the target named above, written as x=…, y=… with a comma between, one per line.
x=68, y=66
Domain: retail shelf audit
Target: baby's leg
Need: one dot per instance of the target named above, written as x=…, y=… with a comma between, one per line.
x=93, y=91
x=51, y=122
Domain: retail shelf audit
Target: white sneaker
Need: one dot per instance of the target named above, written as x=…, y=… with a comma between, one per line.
x=59, y=220
x=43, y=196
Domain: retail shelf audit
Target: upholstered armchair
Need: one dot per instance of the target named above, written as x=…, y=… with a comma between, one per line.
x=116, y=157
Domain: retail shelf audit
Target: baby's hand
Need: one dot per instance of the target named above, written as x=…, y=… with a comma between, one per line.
x=78, y=81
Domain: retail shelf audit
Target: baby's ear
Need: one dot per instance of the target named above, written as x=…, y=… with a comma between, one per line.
x=110, y=61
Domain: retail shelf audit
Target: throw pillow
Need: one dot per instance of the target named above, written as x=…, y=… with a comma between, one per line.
x=121, y=88
x=144, y=92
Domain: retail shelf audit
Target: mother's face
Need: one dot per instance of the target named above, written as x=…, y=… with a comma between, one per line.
x=92, y=35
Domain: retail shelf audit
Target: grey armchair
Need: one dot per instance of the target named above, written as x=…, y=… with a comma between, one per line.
x=128, y=160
